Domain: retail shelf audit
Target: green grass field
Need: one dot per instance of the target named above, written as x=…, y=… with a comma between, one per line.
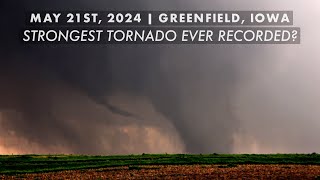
x=17, y=164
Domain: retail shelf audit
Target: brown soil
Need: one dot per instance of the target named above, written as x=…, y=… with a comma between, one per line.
x=185, y=172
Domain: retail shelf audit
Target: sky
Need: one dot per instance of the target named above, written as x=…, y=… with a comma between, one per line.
x=124, y=99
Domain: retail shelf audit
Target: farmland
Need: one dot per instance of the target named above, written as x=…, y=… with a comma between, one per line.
x=160, y=166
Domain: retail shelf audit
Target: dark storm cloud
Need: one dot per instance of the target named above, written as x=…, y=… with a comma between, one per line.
x=98, y=72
